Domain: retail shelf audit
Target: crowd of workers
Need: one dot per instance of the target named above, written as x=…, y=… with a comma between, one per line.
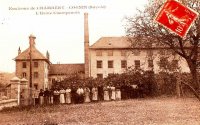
x=75, y=95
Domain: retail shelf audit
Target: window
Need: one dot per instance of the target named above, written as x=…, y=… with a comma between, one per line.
x=149, y=53
x=99, y=64
x=137, y=64
x=23, y=64
x=98, y=53
x=36, y=86
x=136, y=52
x=100, y=76
x=110, y=64
x=175, y=64
x=123, y=63
x=163, y=63
x=23, y=75
x=162, y=52
x=53, y=80
x=36, y=64
x=123, y=53
x=36, y=75
x=150, y=63
x=110, y=53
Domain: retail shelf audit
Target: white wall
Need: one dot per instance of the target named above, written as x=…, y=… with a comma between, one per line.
x=130, y=57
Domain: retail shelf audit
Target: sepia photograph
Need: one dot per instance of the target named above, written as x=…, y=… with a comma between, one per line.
x=99, y=62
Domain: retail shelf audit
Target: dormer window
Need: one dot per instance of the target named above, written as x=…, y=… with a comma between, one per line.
x=98, y=53
x=110, y=53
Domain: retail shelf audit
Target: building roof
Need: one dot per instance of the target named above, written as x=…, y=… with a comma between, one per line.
x=66, y=69
x=124, y=42
x=111, y=42
x=36, y=55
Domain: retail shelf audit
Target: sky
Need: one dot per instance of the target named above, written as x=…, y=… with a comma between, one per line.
x=60, y=34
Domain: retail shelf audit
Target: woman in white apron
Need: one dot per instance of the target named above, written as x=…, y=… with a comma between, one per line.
x=68, y=95
x=94, y=94
x=87, y=95
x=112, y=93
x=118, y=93
x=106, y=94
x=62, y=96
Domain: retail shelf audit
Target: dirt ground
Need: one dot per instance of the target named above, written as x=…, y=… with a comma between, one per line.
x=158, y=111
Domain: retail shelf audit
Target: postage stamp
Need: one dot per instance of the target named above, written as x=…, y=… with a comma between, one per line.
x=176, y=17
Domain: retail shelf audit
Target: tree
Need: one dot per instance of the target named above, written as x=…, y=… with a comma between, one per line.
x=143, y=31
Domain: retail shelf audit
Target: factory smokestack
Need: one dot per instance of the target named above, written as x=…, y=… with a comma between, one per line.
x=86, y=45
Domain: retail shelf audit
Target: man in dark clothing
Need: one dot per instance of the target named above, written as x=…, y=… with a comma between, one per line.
x=74, y=95
x=141, y=90
x=46, y=96
x=100, y=92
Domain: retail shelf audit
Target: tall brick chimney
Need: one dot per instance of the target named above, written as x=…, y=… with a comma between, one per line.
x=86, y=45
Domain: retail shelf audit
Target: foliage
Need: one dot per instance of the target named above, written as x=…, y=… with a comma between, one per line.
x=131, y=77
x=143, y=24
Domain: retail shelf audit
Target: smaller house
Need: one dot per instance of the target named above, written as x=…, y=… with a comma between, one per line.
x=58, y=72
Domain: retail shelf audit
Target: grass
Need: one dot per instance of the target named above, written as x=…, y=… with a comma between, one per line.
x=158, y=111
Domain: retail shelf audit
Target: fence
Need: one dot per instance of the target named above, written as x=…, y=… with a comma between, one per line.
x=22, y=96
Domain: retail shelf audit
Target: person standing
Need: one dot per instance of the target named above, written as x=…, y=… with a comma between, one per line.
x=74, y=96
x=56, y=94
x=80, y=93
x=100, y=92
x=94, y=94
x=51, y=96
x=46, y=96
x=41, y=97
x=68, y=95
x=62, y=96
x=87, y=94
x=118, y=92
x=113, y=93
x=106, y=94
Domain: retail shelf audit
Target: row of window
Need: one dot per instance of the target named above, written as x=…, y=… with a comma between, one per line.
x=137, y=65
x=123, y=52
x=123, y=64
x=35, y=64
x=111, y=63
x=135, y=52
x=110, y=53
x=163, y=63
x=35, y=75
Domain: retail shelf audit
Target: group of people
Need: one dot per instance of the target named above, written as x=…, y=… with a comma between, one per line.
x=80, y=94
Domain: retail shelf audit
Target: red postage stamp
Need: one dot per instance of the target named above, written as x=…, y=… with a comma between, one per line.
x=176, y=17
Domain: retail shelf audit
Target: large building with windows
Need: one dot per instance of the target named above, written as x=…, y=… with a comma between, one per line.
x=106, y=56
x=115, y=55
x=40, y=65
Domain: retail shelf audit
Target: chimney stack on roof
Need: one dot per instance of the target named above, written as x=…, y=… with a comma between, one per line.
x=32, y=40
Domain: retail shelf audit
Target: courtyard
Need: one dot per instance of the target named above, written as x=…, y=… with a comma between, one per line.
x=146, y=111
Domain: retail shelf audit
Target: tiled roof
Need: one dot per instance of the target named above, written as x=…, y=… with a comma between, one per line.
x=37, y=55
x=111, y=42
x=56, y=69
x=125, y=43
